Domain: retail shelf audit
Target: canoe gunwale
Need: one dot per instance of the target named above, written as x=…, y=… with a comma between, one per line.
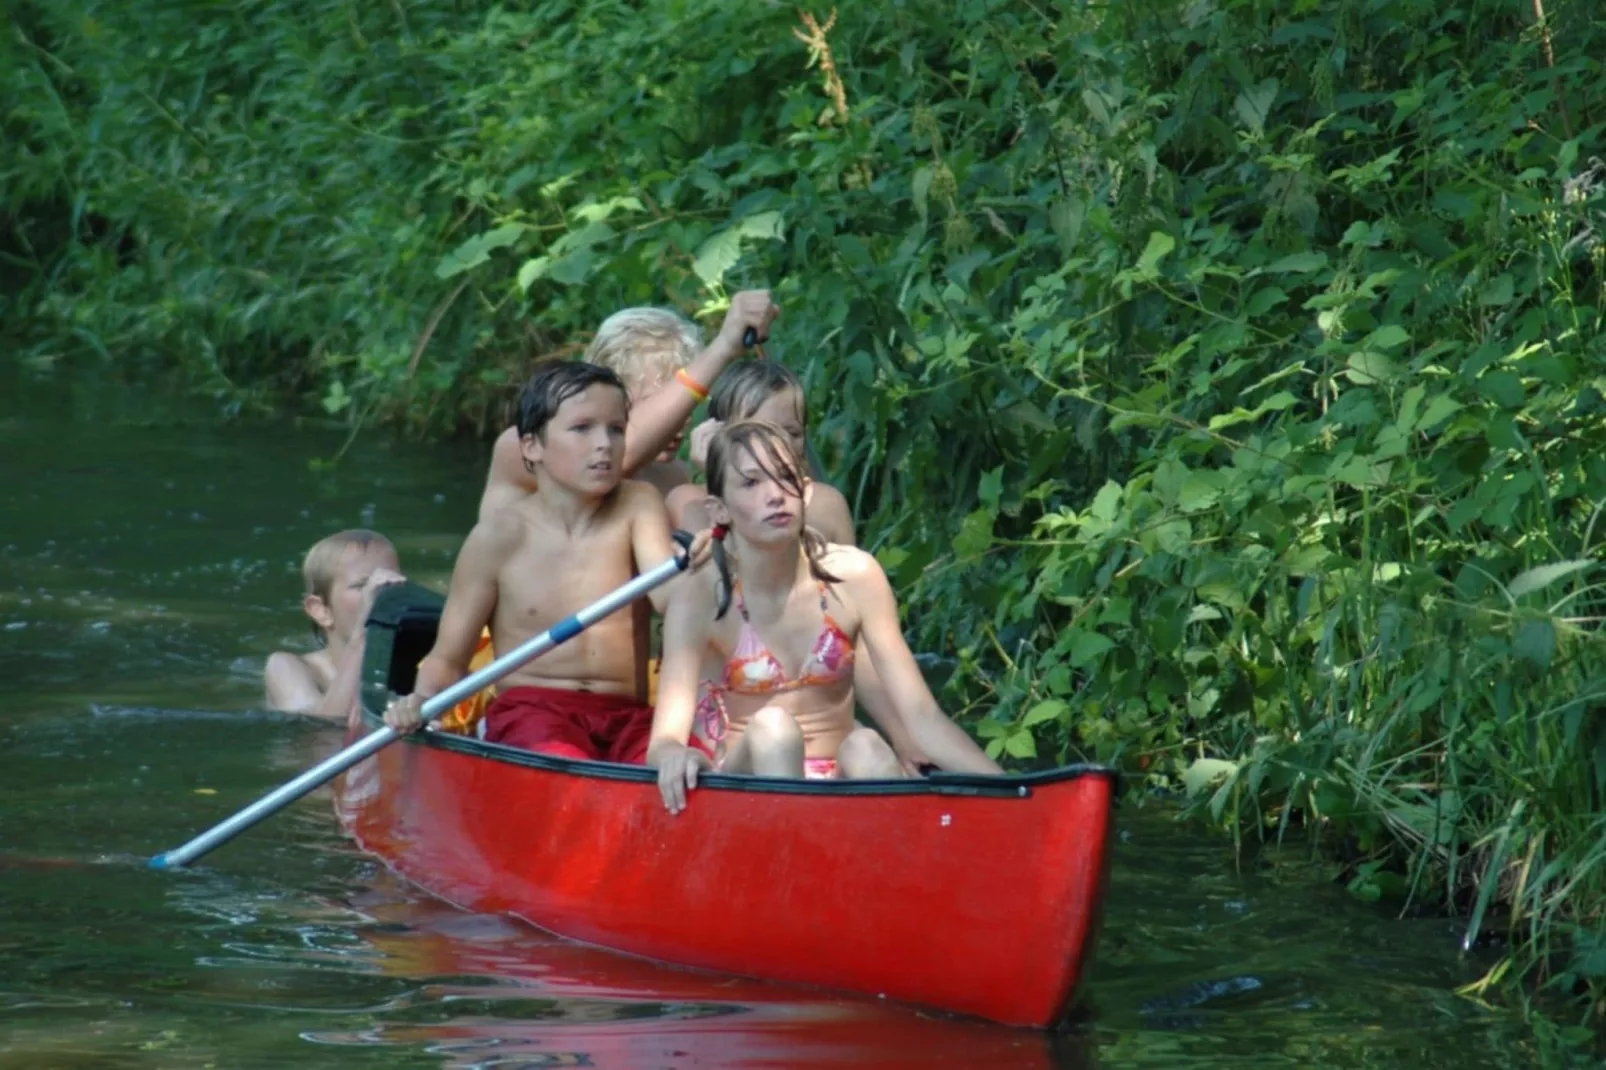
x=406, y=606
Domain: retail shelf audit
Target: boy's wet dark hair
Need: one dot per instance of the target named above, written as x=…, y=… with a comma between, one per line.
x=555, y=382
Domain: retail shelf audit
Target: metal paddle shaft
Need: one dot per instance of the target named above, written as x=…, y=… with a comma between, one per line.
x=332, y=767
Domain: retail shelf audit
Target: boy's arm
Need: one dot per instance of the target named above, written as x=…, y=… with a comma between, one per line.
x=290, y=684
x=651, y=541
x=470, y=602
x=508, y=480
x=937, y=737
x=657, y=418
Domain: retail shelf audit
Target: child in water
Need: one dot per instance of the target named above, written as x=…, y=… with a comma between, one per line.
x=767, y=391
x=757, y=714
x=342, y=575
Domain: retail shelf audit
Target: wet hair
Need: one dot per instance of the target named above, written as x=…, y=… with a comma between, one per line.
x=764, y=442
x=318, y=567
x=741, y=391
x=645, y=345
x=555, y=382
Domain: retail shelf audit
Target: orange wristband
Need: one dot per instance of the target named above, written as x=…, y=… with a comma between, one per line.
x=698, y=390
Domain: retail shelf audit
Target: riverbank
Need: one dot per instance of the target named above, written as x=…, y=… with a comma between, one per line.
x=1217, y=381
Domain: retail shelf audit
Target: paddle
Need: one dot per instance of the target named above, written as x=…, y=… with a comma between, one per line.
x=330, y=768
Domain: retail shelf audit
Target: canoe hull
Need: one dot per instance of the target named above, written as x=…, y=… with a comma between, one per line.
x=976, y=895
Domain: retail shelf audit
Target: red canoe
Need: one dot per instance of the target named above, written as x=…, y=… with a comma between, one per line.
x=971, y=894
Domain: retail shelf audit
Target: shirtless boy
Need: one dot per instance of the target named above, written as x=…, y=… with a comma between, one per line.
x=583, y=532
x=656, y=354
x=342, y=573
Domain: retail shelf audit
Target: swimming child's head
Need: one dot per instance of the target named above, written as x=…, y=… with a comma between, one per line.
x=572, y=419
x=335, y=571
x=757, y=488
x=767, y=391
x=646, y=346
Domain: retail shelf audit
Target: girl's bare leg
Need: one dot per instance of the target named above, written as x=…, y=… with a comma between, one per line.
x=864, y=755
x=771, y=745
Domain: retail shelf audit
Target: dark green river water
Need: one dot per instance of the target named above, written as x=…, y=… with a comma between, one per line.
x=145, y=574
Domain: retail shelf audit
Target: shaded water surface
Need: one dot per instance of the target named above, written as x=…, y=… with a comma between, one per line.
x=144, y=576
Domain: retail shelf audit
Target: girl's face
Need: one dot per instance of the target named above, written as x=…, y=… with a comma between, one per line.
x=762, y=499
x=785, y=410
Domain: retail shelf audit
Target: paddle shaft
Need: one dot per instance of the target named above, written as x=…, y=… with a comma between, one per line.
x=333, y=766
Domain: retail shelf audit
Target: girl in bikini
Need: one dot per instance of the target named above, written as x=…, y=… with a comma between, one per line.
x=780, y=596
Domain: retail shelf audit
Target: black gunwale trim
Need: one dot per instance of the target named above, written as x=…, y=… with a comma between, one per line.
x=403, y=605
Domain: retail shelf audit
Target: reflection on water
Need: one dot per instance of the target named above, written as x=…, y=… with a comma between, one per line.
x=144, y=576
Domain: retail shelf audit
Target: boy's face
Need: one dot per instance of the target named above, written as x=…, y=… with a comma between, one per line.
x=342, y=613
x=583, y=446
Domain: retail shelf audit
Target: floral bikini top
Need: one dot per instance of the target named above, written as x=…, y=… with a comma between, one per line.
x=753, y=670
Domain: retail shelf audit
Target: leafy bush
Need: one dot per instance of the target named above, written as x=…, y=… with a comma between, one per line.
x=1220, y=379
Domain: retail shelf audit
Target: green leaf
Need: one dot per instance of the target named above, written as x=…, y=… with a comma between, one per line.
x=1537, y=579
x=477, y=250
x=1087, y=646
x=1366, y=368
x=1160, y=243
x=1297, y=264
x=1106, y=502
x=920, y=189
x=720, y=252
x=1253, y=105
x=1497, y=291
x=1200, y=490
x=1536, y=642
x=1441, y=408
x=1388, y=336
x=975, y=534
x=1049, y=710
x=1066, y=219
x=1503, y=388
x=533, y=269
x=1020, y=745
x=1204, y=772
x=991, y=487
x=574, y=268
x=1265, y=300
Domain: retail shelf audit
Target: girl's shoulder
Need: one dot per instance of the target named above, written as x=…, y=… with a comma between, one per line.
x=849, y=563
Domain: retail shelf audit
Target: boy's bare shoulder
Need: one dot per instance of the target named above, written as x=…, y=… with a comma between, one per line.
x=637, y=498
x=501, y=533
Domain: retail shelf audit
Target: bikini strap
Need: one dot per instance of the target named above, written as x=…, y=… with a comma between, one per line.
x=825, y=605
x=741, y=603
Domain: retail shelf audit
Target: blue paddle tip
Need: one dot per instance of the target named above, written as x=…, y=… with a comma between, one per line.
x=158, y=862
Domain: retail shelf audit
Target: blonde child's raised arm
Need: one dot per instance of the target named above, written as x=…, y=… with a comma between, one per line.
x=929, y=729
x=657, y=418
x=508, y=480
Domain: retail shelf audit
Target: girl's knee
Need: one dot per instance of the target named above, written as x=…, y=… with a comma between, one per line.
x=864, y=755
x=774, y=725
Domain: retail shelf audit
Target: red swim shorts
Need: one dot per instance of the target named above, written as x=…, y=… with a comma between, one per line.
x=571, y=724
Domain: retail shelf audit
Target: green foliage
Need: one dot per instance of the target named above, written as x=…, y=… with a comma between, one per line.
x=1220, y=379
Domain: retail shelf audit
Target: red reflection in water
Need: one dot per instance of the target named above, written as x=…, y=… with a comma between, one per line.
x=614, y=1011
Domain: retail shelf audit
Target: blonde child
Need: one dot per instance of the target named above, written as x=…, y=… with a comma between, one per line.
x=780, y=702
x=342, y=574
